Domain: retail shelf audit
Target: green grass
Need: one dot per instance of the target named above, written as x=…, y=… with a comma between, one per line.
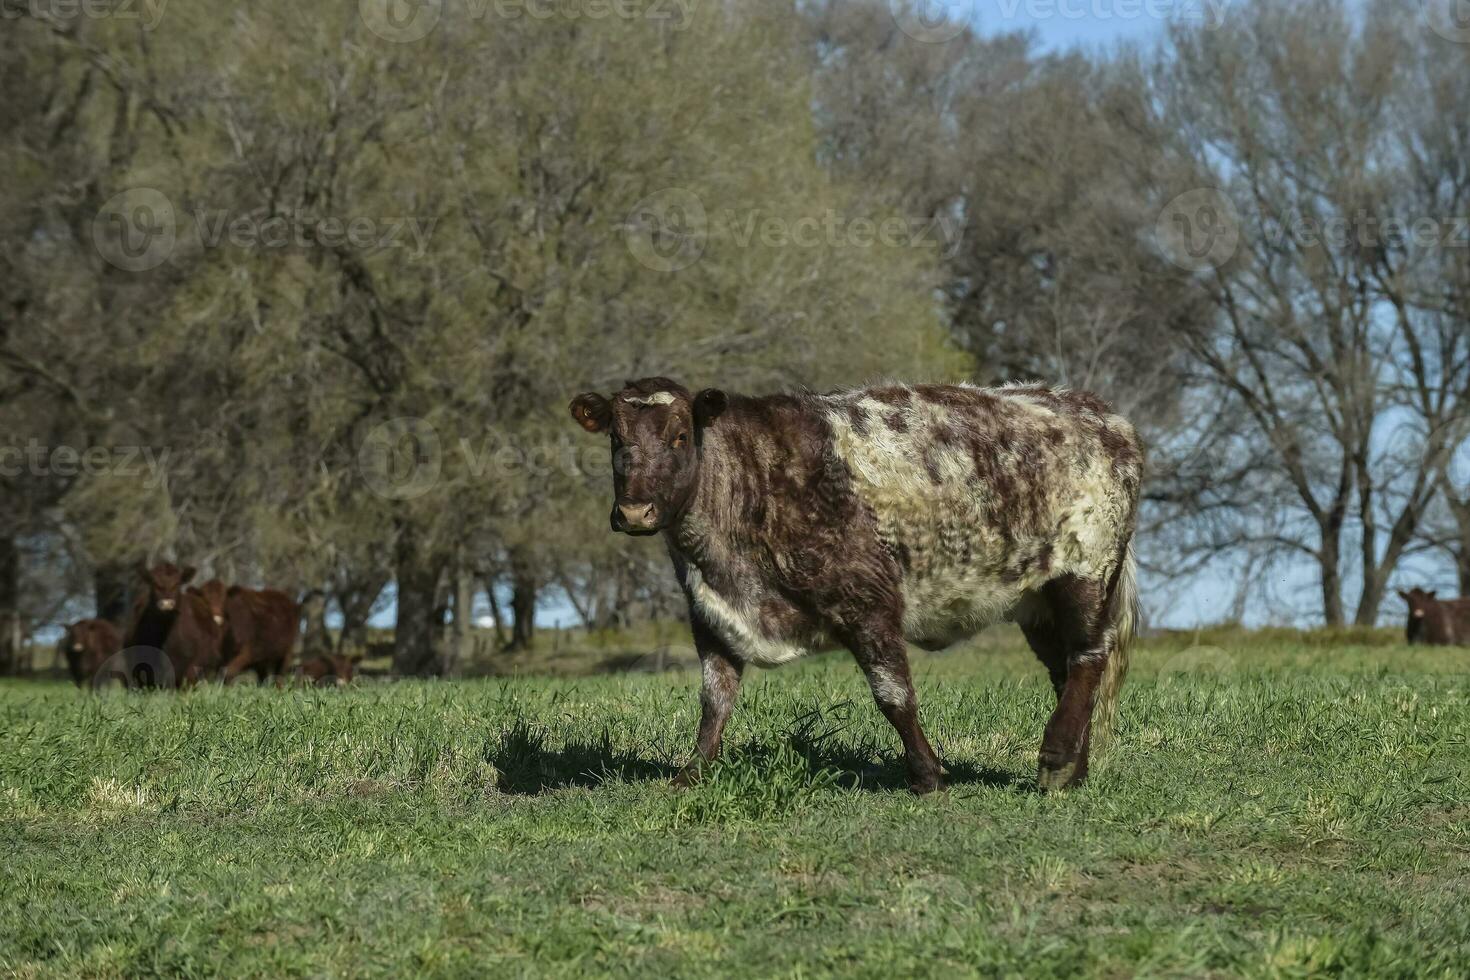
x=1273, y=806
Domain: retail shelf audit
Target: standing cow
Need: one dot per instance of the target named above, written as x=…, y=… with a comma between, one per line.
x=1434, y=621
x=885, y=514
x=87, y=644
x=260, y=628
x=177, y=623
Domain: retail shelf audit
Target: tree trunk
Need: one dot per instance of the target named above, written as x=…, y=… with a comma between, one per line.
x=1461, y=511
x=317, y=638
x=111, y=584
x=1328, y=558
x=522, y=604
x=496, y=613
x=461, y=647
x=10, y=632
x=416, y=633
x=356, y=604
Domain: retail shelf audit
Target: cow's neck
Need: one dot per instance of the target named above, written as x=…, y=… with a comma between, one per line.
x=716, y=526
x=154, y=626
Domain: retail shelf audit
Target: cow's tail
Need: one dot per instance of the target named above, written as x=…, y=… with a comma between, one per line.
x=1122, y=615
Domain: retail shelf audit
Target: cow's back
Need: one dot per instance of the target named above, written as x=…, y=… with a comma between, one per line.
x=265, y=621
x=984, y=494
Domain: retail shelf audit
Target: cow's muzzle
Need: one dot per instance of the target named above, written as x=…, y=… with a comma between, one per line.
x=218, y=619
x=165, y=605
x=635, y=518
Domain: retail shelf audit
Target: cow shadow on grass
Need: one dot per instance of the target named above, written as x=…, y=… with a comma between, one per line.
x=527, y=766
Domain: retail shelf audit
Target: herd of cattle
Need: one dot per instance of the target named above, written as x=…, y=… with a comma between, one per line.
x=186, y=634
x=214, y=631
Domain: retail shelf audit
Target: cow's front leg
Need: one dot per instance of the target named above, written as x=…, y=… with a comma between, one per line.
x=720, y=671
x=884, y=659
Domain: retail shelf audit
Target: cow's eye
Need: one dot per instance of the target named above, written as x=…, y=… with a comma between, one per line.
x=680, y=441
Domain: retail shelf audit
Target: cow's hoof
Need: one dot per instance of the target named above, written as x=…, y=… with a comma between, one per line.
x=926, y=784
x=1054, y=775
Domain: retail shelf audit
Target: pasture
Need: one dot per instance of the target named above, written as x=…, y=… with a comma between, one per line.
x=1274, y=805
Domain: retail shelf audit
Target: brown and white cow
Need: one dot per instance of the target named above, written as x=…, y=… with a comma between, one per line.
x=1434, y=621
x=177, y=622
x=878, y=515
x=87, y=644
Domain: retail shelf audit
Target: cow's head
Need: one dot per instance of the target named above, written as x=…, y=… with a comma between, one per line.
x=75, y=638
x=165, y=581
x=213, y=594
x=325, y=668
x=656, y=429
x=1422, y=606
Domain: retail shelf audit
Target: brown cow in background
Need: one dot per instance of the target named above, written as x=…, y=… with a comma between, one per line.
x=178, y=623
x=1434, y=621
x=259, y=628
x=87, y=644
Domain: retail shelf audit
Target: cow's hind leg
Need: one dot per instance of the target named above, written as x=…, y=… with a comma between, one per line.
x=881, y=653
x=1068, y=630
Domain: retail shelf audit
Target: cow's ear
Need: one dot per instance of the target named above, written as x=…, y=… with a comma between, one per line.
x=191, y=590
x=592, y=411
x=708, y=405
x=1403, y=595
x=143, y=572
x=1433, y=593
x=187, y=573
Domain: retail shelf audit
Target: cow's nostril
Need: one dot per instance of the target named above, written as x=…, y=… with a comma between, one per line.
x=637, y=515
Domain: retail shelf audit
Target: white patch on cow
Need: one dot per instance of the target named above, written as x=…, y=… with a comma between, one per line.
x=738, y=626
x=887, y=688
x=657, y=398
x=963, y=573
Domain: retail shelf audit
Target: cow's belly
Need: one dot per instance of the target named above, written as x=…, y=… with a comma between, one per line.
x=942, y=610
x=759, y=630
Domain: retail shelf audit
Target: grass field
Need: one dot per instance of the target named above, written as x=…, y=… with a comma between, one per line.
x=1273, y=806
